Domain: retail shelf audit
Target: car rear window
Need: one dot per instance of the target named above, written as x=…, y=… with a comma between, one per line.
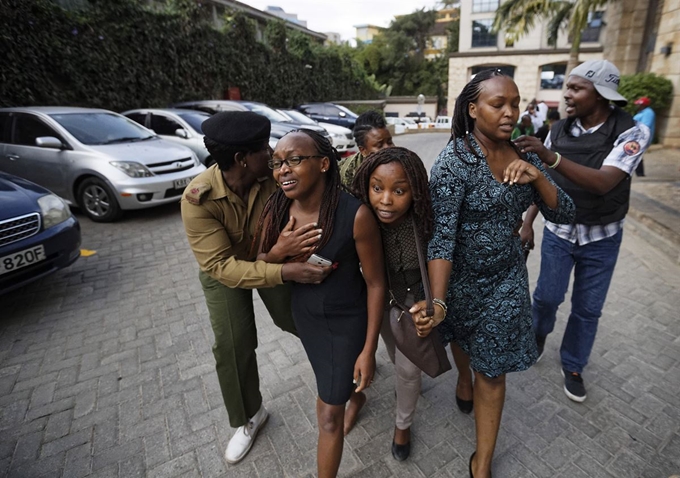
x=4, y=127
x=101, y=128
x=195, y=120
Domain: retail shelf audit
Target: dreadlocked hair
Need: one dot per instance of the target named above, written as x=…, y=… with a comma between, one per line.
x=367, y=121
x=462, y=123
x=275, y=214
x=421, y=206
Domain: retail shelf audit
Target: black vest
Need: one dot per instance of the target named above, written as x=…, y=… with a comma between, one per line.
x=590, y=150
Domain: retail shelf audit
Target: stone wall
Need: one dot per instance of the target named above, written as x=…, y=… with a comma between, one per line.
x=625, y=38
x=527, y=73
x=668, y=122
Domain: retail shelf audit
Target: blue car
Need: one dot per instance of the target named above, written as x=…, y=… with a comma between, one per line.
x=38, y=233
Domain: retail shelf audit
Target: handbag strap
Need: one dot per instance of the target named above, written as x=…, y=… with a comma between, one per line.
x=429, y=306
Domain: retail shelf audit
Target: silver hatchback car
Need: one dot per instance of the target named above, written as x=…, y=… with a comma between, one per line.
x=176, y=125
x=96, y=159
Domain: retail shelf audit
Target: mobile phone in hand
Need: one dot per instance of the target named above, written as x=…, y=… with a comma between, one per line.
x=317, y=260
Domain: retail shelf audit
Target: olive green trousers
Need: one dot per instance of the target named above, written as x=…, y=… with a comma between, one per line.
x=233, y=322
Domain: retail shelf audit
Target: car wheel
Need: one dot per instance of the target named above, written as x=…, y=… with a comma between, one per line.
x=98, y=201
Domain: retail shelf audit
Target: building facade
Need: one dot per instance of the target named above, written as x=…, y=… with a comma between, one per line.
x=629, y=33
x=365, y=33
x=439, y=36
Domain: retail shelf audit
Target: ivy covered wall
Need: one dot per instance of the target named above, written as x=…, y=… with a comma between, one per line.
x=122, y=54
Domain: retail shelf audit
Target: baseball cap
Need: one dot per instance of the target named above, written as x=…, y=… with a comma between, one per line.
x=644, y=101
x=605, y=78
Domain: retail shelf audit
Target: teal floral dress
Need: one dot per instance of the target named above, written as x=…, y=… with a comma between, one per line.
x=489, y=306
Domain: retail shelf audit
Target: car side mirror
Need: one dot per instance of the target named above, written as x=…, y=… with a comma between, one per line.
x=342, y=114
x=182, y=133
x=49, y=142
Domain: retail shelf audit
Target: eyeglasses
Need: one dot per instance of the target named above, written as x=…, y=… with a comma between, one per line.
x=292, y=161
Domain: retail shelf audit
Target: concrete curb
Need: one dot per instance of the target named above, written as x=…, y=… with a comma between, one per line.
x=655, y=233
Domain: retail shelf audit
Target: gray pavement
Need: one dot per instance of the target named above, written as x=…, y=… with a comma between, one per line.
x=106, y=370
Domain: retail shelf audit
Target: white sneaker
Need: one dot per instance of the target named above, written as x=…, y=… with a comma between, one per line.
x=243, y=439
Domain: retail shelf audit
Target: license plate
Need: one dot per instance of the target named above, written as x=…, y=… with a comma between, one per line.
x=21, y=259
x=182, y=183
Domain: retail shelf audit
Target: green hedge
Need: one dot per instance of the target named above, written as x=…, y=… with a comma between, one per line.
x=657, y=88
x=120, y=55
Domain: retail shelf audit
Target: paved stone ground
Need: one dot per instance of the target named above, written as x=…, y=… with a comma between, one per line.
x=106, y=370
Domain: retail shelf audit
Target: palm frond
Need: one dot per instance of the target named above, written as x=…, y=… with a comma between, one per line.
x=518, y=17
x=560, y=18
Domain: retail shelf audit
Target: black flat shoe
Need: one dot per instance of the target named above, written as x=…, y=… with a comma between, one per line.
x=471, y=457
x=401, y=452
x=464, y=406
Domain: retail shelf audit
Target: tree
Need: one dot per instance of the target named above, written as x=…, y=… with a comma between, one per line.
x=518, y=17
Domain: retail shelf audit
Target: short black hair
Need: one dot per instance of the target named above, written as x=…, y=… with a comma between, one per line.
x=224, y=155
x=554, y=115
x=367, y=121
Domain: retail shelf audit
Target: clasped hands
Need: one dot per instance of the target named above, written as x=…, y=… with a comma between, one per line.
x=425, y=323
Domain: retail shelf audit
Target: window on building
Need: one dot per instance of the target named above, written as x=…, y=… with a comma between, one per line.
x=482, y=34
x=508, y=70
x=479, y=6
x=591, y=33
x=552, y=76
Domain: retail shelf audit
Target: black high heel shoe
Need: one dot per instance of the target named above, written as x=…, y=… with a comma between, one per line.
x=464, y=406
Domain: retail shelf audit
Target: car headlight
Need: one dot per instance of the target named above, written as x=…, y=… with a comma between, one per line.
x=54, y=210
x=337, y=135
x=132, y=169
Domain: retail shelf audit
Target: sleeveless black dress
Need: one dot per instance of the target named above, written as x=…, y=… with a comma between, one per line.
x=331, y=317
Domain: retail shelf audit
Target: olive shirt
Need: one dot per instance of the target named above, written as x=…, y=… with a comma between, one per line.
x=220, y=229
x=348, y=168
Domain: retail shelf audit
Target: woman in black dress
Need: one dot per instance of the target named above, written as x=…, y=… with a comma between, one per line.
x=339, y=319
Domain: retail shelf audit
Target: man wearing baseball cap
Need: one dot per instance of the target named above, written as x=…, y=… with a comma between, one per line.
x=220, y=210
x=645, y=115
x=591, y=155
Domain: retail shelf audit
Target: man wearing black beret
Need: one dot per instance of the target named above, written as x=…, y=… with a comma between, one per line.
x=220, y=211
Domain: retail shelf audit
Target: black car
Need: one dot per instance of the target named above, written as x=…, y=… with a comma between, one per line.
x=38, y=233
x=330, y=113
x=280, y=124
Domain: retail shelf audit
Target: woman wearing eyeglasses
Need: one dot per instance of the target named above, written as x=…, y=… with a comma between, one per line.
x=338, y=319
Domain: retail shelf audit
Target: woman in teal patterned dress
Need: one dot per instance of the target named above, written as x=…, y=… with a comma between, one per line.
x=481, y=185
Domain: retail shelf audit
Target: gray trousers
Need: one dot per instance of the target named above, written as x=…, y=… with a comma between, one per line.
x=408, y=378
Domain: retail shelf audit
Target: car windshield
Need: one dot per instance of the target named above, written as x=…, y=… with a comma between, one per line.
x=299, y=117
x=350, y=113
x=101, y=128
x=267, y=112
x=195, y=120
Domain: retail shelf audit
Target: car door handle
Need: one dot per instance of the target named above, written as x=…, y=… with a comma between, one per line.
x=13, y=157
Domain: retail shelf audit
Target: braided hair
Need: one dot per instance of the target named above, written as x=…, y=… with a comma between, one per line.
x=462, y=123
x=421, y=207
x=367, y=121
x=277, y=207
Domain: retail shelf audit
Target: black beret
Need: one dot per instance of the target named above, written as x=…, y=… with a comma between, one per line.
x=237, y=128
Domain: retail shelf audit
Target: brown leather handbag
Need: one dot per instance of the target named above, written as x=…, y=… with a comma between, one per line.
x=427, y=353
